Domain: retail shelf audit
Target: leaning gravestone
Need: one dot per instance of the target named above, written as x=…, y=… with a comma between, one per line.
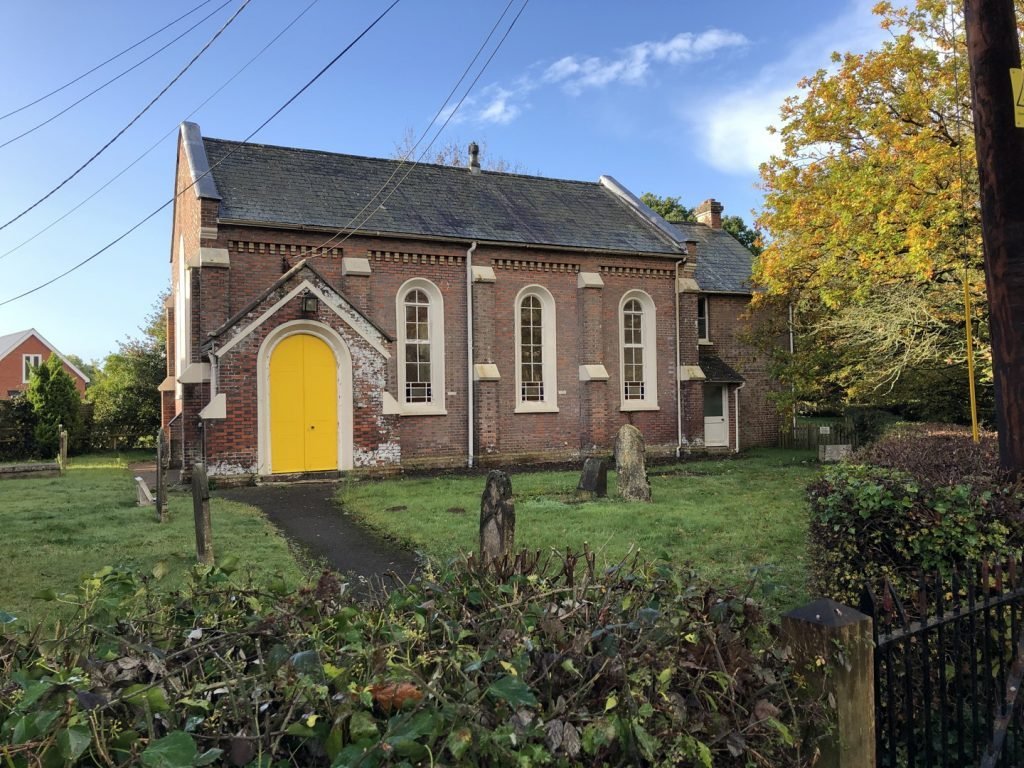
x=829, y=454
x=594, y=479
x=630, y=465
x=497, y=517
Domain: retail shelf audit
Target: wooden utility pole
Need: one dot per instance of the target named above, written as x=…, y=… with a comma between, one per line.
x=998, y=97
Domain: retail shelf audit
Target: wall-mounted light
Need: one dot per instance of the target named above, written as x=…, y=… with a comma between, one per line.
x=310, y=304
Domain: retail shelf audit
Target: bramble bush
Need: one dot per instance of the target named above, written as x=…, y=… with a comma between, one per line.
x=547, y=663
x=923, y=497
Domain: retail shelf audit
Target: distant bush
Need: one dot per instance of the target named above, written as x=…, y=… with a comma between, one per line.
x=17, y=429
x=640, y=665
x=869, y=423
x=921, y=497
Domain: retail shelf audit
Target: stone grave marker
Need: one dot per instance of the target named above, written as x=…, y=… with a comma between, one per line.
x=594, y=479
x=497, y=517
x=630, y=464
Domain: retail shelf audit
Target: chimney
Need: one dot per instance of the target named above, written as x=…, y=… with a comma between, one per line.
x=474, y=158
x=710, y=213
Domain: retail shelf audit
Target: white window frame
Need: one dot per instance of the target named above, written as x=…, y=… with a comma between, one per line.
x=649, y=331
x=435, y=329
x=34, y=360
x=703, y=301
x=549, y=352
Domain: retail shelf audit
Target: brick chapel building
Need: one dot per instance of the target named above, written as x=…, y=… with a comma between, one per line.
x=473, y=318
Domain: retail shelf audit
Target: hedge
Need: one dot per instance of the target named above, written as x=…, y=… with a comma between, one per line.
x=639, y=665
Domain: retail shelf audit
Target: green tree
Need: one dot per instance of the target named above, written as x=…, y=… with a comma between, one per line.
x=125, y=399
x=872, y=213
x=672, y=210
x=56, y=402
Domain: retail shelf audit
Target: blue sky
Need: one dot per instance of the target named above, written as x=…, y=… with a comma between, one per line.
x=668, y=97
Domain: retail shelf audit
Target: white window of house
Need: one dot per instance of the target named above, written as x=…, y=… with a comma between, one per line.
x=702, y=319
x=420, y=324
x=536, y=388
x=28, y=363
x=638, y=357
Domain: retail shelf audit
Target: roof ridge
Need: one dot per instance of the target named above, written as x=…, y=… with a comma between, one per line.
x=394, y=160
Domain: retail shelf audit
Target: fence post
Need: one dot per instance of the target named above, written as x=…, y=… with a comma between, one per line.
x=833, y=649
x=62, y=456
x=201, y=508
x=161, y=479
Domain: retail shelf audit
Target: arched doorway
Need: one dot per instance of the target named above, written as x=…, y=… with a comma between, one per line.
x=303, y=405
x=305, y=400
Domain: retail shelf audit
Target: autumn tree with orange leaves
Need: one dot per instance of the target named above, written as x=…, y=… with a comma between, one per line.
x=873, y=221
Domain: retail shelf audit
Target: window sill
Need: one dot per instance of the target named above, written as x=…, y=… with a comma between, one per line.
x=705, y=343
x=537, y=408
x=639, y=405
x=429, y=410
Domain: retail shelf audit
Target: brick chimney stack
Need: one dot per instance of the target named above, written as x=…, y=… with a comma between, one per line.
x=710, y=213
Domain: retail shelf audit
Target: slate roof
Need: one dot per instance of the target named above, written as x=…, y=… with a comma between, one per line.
x=300, y=187
x=723, y=264
x=718, y=371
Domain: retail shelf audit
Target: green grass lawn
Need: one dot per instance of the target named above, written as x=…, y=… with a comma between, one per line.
x=725, y=517
x=57, y=531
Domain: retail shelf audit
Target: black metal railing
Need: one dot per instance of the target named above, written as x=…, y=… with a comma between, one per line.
x=947, y=665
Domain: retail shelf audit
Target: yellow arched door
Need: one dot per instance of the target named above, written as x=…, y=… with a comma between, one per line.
x=303, y=405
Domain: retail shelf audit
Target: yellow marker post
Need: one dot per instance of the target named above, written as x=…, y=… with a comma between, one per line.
x=1017, y=81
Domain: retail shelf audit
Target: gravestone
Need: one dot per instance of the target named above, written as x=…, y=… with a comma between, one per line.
x=201, y=510
x=594, y=479
x=497, y=517
x=630, y=465
x=829, y=454
x=143, y=496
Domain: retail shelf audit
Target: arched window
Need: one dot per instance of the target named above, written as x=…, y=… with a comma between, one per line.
x=420, y=324
x=638, y=362
x=536, y=388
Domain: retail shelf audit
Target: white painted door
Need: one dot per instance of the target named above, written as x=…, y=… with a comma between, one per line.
x=716, y=415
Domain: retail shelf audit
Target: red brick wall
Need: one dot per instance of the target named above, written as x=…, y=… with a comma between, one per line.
x=11, y=367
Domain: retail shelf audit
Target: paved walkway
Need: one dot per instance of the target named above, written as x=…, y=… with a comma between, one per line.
x=307, y=514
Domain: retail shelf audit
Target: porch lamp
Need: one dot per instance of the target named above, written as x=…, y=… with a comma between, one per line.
x=310, y=304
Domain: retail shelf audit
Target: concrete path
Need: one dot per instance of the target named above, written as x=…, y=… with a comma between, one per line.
x=307, y=514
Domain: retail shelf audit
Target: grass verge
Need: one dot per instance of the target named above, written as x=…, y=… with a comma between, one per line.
x=57, y=531
x=724, y=517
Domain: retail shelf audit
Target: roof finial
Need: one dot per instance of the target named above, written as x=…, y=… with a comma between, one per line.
x=474, y=158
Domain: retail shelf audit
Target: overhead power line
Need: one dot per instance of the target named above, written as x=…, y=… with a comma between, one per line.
x=163, y=138
x=412, y=150
x=131, y=122
x=102, y=64
x=112, y=80
x=261, y=126
x=361, y=224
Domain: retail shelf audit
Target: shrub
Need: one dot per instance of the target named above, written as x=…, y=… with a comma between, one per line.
x=922, y=497
x=640, y=665
x=17, y=429
x=51, y=390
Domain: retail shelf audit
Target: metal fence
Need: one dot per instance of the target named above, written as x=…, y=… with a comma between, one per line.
x=810, y=436
x=948, y=665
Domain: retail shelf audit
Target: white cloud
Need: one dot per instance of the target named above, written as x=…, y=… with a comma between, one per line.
x=499, y=110
x=734, y=128
x=631, y=67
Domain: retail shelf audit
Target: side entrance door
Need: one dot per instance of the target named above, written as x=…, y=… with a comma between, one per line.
x=303, y=405
x=716, y=415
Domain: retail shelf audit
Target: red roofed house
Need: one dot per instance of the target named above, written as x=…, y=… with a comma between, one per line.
x=21, y=352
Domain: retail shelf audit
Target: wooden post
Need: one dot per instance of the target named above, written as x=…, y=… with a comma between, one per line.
x=201, y=508
x=62, y=456
x=832, y=647
x=161, y=479
x=997, y=90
